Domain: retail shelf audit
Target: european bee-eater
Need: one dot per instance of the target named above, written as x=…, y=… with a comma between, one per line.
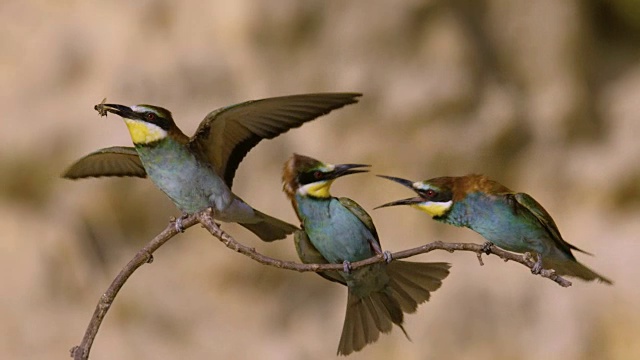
x=197, y=172
x=510, y=220
x=338, y=230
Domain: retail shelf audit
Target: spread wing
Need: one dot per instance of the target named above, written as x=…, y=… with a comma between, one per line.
x=531, y=205
x=226, y=135
x=308, y=254
x=113, y=161
x=361, y=214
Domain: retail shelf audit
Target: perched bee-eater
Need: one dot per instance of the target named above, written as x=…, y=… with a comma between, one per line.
x=510, y=220
x=197, y=172
x=338, y=230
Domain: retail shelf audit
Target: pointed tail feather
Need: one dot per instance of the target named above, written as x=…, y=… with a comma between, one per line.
x=571, y=267
x=412, y=282
x=366, y=318
x=269, y=228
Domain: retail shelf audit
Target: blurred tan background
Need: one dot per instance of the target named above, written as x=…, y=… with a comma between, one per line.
x=543, y=96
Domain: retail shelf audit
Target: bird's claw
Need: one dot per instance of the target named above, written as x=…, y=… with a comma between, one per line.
x=346, y=267
x=178, y=223
x=537, y=267
x=388, y=257
x=486, y=247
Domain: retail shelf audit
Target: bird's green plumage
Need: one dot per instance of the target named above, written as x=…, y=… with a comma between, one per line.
x=198, y=172
x=546, y=221
x=192, y=184
x=362, y=215
x=513, y=221
x=503, y=221
x=335, y=230
x=308, y=254
x=516, y=222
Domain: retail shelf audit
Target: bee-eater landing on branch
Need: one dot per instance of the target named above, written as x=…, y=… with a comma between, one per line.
x=197, y=172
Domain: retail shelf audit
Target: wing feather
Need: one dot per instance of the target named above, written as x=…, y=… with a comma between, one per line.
x=531, y=205
x=226, y=135
x=308, y=254
x=112, y=161
x=361, y=214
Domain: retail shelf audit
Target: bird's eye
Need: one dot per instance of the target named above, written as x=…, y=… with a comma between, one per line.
x=150, y=116
x=317, y=174
x=430, y=193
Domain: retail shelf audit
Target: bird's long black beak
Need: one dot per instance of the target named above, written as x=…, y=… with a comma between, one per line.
x=406, y=183
x=408, y=201
x=121, y=110
x=347, y=169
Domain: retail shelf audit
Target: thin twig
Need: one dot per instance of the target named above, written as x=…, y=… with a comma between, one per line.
x=143, y=256
x=81, y=352
x=206, y=220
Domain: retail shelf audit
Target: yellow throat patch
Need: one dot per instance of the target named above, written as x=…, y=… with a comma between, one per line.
x=318, y=189
x=143, y=132
x=434, y=208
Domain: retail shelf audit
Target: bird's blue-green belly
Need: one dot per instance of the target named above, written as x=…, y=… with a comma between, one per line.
x=334, y=230
x=191, y=185
x=494, y=218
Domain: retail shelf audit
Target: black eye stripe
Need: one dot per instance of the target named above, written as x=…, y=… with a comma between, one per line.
x=153, y=118
x=309, y=177
x=436, y=196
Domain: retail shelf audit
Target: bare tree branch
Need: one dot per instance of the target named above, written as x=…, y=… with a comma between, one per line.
x=205, y=218
x=144, y=256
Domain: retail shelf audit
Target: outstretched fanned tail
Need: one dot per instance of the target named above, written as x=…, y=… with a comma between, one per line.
x=411, y=284
x=366, y=318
